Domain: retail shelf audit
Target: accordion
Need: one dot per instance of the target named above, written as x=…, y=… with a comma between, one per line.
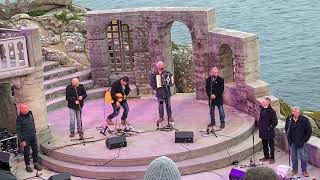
x=165, y=79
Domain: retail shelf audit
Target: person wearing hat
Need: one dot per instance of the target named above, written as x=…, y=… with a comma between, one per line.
x=162, y=168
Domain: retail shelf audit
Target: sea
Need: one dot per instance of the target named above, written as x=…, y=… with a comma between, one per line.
x=288, y=31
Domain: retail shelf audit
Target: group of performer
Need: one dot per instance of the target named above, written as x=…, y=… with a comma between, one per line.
x=297, y=126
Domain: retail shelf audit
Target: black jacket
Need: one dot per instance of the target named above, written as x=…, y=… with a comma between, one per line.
x=161, y=92
x=298, y=132
x=267, y=122
x=215, y=86
x=73, y=93
x=25, y=127
x=117, y=88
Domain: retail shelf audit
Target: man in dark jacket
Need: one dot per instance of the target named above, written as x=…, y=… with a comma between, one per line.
x=267, y=122
x=162, y=92
x=214, y=89
x=120, y=86
x=26, y=131
x=298, y=130
x=75, y=95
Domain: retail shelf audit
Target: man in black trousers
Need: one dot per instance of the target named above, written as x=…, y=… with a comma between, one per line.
x=214, y=89
x=26, y=131
x=267, y=123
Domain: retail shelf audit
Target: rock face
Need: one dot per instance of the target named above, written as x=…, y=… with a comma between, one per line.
x=56, y=55
x=33, y=5
x=74, y=42
x=62, y=28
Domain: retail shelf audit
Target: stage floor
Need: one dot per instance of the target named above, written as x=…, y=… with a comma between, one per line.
x=189, y=115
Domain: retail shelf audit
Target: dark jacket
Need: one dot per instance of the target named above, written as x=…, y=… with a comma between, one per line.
x=299, y=132
x=161, y=92
x=73, y=93
x=267, y=122
x=117, y=88
x=215, y=86
x=25, y=127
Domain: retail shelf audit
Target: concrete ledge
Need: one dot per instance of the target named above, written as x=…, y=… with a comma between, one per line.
x=18, y=72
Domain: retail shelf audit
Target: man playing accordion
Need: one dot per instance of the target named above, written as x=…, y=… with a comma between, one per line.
x=160, y=81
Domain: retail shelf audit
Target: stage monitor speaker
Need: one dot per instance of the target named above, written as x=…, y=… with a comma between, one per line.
x=236, y=174
x=116, y=142
x=62, y=176
x=6, y=160
x=184, y=137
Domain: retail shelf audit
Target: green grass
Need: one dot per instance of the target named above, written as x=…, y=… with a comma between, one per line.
x=36, y=13
x=63, y=16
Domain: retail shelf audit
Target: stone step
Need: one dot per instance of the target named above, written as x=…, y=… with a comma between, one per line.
x=65, y=80
x=60, y=102
x=49, y=65
x=61, y=90
x=216, y=160
x=59, y=72
x=211, y=147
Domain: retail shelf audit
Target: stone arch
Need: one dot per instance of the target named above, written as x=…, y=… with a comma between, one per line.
x=165, y=28
x=226, y=63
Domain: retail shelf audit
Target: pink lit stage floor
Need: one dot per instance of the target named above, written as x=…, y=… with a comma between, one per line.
x=189, y=115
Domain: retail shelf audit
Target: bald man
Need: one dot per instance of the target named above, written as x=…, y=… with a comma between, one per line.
x=26, y=131
x=162, y=93
x=214, y=89
x=75, y=95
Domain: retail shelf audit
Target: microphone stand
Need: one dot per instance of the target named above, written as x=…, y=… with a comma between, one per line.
x=208, y=131
x=82, y=138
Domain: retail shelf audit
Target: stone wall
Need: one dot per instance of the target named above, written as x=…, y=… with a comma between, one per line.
x=28, y=83
x=151, y=41
x=246, y=91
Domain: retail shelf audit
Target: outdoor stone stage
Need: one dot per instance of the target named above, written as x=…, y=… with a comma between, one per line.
x=93, y=160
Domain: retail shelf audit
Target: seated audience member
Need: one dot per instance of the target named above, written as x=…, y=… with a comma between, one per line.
x=162, y=168
x=261, y=173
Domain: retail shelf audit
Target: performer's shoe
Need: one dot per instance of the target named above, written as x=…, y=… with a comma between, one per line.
x=222, y=125
x=37, y=166
x=80, y=135
x=170, y=119
x=294, y=173
x=211, y=124
x=159, y=121
x=271, y=161
x=264, y=159
x=109, y=121
x=305, y=173
x=29, y=169
x=72, y=135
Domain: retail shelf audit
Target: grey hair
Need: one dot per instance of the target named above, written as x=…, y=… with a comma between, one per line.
x=297, y=107
x=268, y=99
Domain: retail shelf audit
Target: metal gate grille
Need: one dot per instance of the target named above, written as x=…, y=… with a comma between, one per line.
x=120, y=46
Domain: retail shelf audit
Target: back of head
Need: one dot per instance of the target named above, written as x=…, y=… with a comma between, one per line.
x=261, y=173
x=162, y=168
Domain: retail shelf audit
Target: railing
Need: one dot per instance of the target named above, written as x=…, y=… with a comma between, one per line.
x=13, y=53
x=9, y=33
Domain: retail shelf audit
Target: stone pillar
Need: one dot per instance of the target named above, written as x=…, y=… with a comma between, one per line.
x=33, y=45
x=30, y=88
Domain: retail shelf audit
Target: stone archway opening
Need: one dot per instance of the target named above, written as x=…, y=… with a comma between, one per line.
x=8, y=110
x=179, y=56
x=120, y=49
x=226, y=63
